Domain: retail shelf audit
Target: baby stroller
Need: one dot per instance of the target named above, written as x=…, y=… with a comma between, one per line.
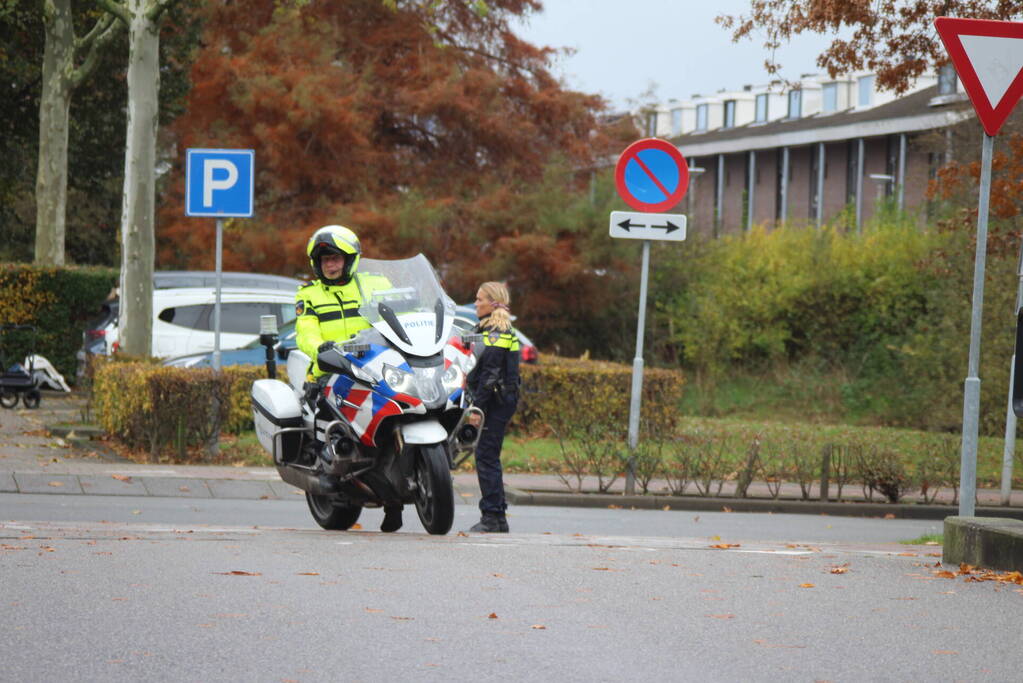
x=17, y=380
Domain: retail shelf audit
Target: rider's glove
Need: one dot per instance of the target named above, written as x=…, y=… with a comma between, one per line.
x=326, y=346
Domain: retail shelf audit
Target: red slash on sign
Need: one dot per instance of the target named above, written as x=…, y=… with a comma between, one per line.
x=651, y=175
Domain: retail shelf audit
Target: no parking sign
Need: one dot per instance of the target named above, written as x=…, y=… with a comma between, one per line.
x=652, y=175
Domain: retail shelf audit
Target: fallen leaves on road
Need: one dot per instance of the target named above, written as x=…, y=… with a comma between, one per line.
x=403, y=618
x=890, y=515
x=945, y=652
x=238, y=572
x=538, y=627
x=726, y=546
x=309, y=573
x=355, y=527
x=721, y=616
x=840, y=569
x=726, y=509
x=122, y=477
x=976, y=575
x=56, y=483
x=492, y=615
x=807, y=585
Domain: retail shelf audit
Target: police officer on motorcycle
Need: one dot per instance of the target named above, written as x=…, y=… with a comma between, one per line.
x=327, y=309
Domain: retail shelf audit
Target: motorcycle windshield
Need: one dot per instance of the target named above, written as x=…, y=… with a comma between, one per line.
x=404, y=301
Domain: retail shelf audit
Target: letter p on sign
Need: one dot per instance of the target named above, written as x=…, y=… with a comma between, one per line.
x=219, y=182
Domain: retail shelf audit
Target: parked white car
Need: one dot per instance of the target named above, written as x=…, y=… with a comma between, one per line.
x=183, y=319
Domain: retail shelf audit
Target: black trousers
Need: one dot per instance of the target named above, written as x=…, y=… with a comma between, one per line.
x=488, y=458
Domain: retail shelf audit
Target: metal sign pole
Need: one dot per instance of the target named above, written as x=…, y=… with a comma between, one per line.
x=971, y=392
x=637, y=375
x=216, y=305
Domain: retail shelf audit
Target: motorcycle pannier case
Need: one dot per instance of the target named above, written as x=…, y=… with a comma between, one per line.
x=275, y=407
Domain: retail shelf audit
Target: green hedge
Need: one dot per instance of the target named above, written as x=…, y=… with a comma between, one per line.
x=160, y=409
x=58, y=301
x=560, y=393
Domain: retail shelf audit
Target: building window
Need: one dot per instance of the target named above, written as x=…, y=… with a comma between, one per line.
x=701, y=117
x=830, y=93
x=866, y=90
x=795, y=104
x=676, y=122
x=729, y=114
x=762, y=108
x=651, y=123
x=947, y=80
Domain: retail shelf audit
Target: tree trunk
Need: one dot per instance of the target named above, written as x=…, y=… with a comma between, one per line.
x=135, y=329
x=54, y=107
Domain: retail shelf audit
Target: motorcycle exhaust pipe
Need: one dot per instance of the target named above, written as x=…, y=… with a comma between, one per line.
x=316, y=484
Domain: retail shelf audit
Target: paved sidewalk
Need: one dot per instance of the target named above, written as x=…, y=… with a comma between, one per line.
x=34, y=461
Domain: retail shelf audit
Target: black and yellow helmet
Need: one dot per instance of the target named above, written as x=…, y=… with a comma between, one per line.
x=334, y=239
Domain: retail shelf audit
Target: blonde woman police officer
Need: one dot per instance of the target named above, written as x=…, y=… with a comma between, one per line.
x=494, y=387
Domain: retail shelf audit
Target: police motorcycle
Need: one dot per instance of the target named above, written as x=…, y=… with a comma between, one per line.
x=392, y=419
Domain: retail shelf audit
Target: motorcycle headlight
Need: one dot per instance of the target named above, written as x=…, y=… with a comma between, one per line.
x=452, y=379
x=400, y=381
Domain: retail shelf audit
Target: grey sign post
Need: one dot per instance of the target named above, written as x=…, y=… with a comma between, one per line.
x=646, y=227
x=971, y=392
x=220, y=184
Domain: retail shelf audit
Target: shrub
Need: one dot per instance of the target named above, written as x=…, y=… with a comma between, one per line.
x=562, y=393
x=58, y=301
x=153, y=407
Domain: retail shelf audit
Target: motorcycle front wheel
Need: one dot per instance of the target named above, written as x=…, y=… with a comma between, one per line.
x=435, y=497
x=331, y=515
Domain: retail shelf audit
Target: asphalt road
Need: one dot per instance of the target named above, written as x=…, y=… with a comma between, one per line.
x=118, y=588
x=145, y=601
x=523, y=519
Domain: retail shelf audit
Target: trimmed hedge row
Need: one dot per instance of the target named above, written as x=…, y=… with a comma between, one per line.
x=58, y=301
x=560, y=393
x=155, y=408
x=160, y=408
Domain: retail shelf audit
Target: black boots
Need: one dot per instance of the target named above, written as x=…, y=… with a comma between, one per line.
x=392, y=519
x=491, y=524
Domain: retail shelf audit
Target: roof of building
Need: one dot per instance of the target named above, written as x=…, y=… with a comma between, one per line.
x=916, y=111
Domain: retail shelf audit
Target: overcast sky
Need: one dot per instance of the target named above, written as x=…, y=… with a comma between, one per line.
x=622, y=46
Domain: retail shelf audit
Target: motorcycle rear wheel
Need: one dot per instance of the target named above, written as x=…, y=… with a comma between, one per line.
x=330, y=515
x=435, y=497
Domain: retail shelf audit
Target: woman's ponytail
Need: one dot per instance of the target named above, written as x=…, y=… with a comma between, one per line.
x=500, y=318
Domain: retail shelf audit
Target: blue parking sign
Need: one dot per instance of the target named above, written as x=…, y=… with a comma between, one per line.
x=219, y=182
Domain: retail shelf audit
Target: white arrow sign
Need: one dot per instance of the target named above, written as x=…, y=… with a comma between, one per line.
x=636, y=225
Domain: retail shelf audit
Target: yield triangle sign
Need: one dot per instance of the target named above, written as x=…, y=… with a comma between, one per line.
x=988, y=56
